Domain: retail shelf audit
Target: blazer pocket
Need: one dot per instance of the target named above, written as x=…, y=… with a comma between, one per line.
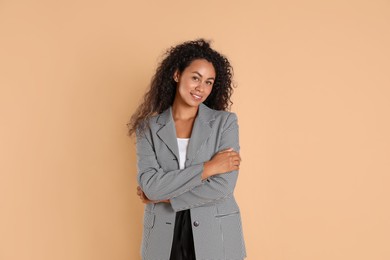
x=228, y=218
x=149, y=218
x=231, y=232
x=227, y=214
x=226, y=208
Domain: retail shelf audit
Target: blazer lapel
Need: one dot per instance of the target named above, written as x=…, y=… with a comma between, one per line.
x=167, y=132
x=200, y=132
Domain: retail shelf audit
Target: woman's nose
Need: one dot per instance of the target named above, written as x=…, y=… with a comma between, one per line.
x=200, y=86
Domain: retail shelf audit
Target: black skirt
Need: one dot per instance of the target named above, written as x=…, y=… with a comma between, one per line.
x=183, y=241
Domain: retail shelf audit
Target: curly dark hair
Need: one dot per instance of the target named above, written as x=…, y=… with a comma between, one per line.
x=163, y=87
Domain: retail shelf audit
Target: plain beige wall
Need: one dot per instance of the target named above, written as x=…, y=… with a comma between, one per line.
x=313, y=107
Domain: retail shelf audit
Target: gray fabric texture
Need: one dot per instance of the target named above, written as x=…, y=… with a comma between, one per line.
x=217, y=227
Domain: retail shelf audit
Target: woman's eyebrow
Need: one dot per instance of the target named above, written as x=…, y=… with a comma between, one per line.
x=200, y=75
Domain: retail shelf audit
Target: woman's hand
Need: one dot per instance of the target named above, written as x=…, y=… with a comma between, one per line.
x=145, y=199
x=223, y=161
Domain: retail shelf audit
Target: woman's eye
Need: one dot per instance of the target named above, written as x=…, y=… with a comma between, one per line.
x=195, y=78
x=209, y=82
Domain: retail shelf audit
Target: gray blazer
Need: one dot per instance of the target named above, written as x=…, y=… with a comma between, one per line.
x=215, y=215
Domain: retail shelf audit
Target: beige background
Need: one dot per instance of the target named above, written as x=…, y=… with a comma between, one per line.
x=313, y=107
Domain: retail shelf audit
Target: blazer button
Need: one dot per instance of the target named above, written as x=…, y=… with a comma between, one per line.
x=196, y=223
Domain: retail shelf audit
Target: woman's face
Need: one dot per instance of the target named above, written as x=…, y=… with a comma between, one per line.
x=195, y=83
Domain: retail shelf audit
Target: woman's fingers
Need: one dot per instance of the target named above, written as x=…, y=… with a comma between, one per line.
x=142, y=195
x=139, y=190
x=143, y=198
x=237, y=157
x=234, y=155
x=235, y=160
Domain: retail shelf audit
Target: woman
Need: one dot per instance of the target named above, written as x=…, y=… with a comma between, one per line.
x=188, y=158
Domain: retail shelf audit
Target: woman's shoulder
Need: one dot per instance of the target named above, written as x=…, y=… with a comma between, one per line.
x=222, y=114
x=223, y=119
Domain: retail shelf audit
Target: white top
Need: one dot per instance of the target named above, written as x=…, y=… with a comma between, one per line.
x=182, y=144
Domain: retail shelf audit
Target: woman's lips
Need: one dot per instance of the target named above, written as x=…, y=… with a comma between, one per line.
x=196, y=97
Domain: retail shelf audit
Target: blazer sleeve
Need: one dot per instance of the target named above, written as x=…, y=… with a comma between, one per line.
x=156, y=183
x=216, y=187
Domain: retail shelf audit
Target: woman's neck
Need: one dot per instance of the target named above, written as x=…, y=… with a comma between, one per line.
x=183, y=112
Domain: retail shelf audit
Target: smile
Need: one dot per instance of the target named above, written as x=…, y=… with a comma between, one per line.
x=196, y=96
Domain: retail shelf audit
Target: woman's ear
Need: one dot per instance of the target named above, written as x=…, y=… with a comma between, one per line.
x=176, y=76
